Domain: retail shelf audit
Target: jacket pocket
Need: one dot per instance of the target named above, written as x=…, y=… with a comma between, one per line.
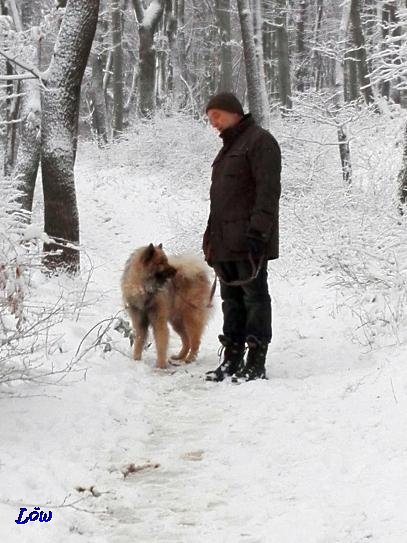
x=234, y=235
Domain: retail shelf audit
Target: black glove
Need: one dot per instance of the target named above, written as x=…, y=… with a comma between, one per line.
x=257, y=244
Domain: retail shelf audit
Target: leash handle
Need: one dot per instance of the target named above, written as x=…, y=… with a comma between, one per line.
x=242, y=282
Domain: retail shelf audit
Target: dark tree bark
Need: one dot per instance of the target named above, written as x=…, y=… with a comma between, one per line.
x=117, y=61
x=359, y=52
x=343, y=140
x=253, y=73
x=283, y=55
x=148, y=19
x=60, y=109
x=177, y=76
x=316, y=57
x=403, y=176
x=223, y=17
x=97, y=100
x=300, y=43
x=29, y=151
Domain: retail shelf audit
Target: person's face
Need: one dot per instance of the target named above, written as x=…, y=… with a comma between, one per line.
x=221, y=120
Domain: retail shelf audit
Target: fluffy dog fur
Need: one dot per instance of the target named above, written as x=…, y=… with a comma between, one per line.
x=158, y=289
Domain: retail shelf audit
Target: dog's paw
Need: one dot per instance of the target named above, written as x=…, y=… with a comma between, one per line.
x=191, y=358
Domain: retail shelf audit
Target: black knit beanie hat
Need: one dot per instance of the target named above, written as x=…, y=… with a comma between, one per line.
x=226, y=101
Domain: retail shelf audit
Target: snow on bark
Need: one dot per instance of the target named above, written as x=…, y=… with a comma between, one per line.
x=153, y=14
x=147, y=76
x=60, y=105
x=253, y=75
x=29, y=151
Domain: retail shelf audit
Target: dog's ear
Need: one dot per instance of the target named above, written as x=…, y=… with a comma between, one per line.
x=160, y=246
x=148, y=253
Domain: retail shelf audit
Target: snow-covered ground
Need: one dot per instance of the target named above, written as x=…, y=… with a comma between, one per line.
x=315, y=454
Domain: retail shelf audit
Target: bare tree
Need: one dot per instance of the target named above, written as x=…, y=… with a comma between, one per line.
x=177, y=78
x=253, y=74
x=60, y=107
x=316, y=57
x=29, y=151
x=97, y=99
x=343, y=140
x=148, y=19
x=300, y=46
x=223, y=17
x=403, y=175
x=117, y=61
x=359, y=52
x=283, y=55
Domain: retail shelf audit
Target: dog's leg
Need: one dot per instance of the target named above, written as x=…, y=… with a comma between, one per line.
x=194, y=326
x=140, y=329
x=161, y=336
x=180, y=329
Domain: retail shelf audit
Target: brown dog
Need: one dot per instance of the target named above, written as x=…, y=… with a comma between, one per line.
x=158, y=289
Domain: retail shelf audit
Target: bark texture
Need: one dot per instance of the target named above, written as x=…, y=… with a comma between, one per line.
x=60, y=107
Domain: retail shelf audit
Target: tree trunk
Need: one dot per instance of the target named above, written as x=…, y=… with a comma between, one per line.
x=223, y=16
x=316, y=56
x=117, y=60
x=253, y=74
x=97, y=101
x=29, y=150
x=283, y=55
x=403, y=176
x=301, y=60
x=358, y=40
x=60, y=107
x=344, y=149
x=258, y=42
x=148, y=20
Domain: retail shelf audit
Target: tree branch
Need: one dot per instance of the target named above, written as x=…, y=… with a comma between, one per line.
x=17, y=77
x=139, y=9
x=16, y=15
x=31, y=69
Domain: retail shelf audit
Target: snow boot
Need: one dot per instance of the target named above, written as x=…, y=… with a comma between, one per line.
x=255, y=363
x=233, y=353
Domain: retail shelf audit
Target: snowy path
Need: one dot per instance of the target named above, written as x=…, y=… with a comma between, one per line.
x=317, y=454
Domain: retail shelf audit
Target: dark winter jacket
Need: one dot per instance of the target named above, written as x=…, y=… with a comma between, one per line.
x=244, y=194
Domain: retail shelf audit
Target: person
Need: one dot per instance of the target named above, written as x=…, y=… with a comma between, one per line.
x=242, y=234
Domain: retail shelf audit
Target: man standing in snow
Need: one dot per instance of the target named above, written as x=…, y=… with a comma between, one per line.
x=242, y=234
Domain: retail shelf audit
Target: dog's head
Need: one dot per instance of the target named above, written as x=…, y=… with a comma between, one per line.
x=156, y=264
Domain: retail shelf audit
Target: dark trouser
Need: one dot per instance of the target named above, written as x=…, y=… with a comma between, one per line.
x=247, y=308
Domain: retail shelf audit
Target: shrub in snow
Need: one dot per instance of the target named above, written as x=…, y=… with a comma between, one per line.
x=26, y=318
x=355, y=233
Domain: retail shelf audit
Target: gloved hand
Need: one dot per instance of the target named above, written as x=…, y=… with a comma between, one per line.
x=256, y=244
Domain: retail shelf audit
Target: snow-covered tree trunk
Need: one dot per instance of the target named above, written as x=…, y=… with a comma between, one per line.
x=148, y=19
x=29, y=150
x=97, y=100
x=316, y=56
x=343, y=140
x=283, y=55
x=403, y=175
x=358, y=40
x=253, y=74
x=300, y=39
x=258, y=42
x=223, y=17
x=117, y=61
x=60, y=109
x=177, y=76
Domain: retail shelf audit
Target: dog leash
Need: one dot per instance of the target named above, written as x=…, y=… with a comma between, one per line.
x=239, y=282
